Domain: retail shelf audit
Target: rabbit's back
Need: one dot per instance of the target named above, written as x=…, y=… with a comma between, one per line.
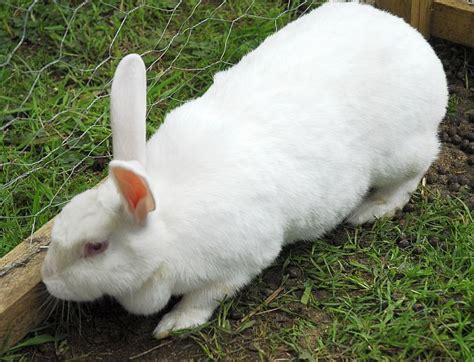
x=290, y=139
x=356, y=54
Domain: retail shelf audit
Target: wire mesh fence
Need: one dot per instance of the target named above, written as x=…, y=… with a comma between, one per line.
x=56, y=63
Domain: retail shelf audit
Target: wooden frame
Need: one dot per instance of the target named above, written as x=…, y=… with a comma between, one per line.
x=452, y=20
x=22, y=293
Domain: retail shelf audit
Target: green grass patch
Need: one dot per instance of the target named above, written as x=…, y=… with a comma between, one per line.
x=56, y=63
x=402, y=289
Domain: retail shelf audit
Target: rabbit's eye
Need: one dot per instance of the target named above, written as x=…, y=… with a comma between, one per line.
x=91, y=249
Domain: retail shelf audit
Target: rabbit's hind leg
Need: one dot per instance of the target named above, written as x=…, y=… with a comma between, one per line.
x=384, y=201
x=392, y=190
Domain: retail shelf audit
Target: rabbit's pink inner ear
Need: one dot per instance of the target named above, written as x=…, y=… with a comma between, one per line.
x=135, y=191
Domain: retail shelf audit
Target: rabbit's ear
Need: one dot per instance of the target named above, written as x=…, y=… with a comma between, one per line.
x=128, y=109
x=132, y=184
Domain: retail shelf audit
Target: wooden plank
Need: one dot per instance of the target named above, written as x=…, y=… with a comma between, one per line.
x=416, y=12
x=420, y=17
x=21, y=292
x=453, y=20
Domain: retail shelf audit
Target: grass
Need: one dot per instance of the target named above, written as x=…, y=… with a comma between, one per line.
x=36, y=340
x=402, y=289
x=56, y=63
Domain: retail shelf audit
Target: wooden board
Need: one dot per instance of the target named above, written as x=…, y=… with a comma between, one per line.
x=21, y=292
x=417, y=13
x=453, y=20
x=420, y=16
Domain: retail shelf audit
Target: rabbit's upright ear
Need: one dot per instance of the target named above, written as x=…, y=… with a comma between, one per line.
x=134, y=187
x=128, y=109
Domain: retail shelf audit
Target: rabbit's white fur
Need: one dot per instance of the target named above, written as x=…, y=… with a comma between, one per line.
x=283, y=146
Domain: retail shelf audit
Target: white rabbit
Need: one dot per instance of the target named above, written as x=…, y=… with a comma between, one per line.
x=284, y=146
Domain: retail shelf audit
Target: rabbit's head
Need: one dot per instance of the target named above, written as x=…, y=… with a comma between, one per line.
x=96, y=245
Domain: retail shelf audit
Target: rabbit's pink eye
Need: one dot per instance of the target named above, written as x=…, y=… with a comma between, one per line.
x=91, y=249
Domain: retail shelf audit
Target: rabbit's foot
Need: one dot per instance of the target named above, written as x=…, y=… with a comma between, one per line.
x=181, y=319
x=371, y=210
x=383, y=202
x=197, y=307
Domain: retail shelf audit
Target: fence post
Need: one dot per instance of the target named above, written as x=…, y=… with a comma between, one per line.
x=420, y=16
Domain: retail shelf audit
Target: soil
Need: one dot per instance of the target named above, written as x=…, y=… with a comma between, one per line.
x=105, y=331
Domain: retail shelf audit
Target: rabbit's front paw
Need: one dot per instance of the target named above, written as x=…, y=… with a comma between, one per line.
x=180, y=319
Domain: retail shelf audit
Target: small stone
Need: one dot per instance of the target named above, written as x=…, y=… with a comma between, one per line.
x=464, y=144
x=469, y=149
x=469, y=136
x=418, y=307
x=454, y=187
x=434, y=241
x=456, y=140
x=444, y=137
x=409, y=208
x=452, y=131
x=431, y=178
x=460, y=75
x=463, y=180
x=470, y=115
x=470, y=161
x=294, y=272
x=442, y=170
x=99, y=164
x=453, y=179
x=403, y=243
x=451, y=89
x=417, y=250
x=235, y=315
x=281, y=318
